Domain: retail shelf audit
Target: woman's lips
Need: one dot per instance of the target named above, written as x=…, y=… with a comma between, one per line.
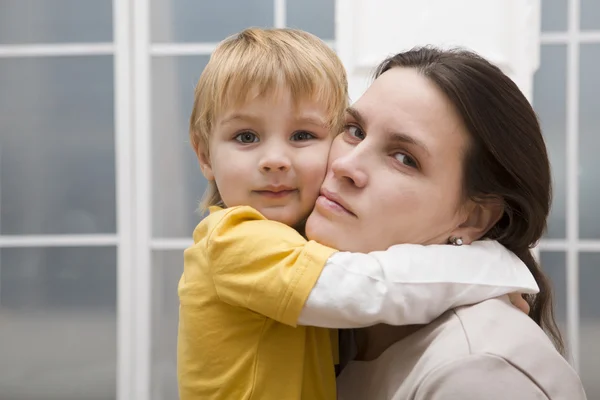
x=331, y=202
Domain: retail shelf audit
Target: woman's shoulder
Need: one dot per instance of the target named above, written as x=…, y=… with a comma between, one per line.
x=496, y=329
x=489, y=376
x=471, y=352
x=495, y=325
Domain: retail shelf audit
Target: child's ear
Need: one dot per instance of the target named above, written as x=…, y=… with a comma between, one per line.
x=482, y=216
x=204, y=161
x=206, y=167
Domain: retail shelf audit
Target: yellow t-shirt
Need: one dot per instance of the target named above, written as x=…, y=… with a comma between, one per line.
x=245, y=281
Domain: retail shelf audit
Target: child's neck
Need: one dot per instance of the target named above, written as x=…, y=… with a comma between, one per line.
x=301, y=227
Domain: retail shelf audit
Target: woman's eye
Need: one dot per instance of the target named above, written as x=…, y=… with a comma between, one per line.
x=406, y=160
x=355, y=131
x=302, y=136
x=247, y=137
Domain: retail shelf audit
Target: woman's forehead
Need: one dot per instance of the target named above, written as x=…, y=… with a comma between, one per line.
x=402, y=101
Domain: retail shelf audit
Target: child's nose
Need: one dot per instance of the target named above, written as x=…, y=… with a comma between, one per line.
x=274, y=162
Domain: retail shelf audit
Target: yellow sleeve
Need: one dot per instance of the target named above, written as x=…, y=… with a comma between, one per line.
x=262, y=265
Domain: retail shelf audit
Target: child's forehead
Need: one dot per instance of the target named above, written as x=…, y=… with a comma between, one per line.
x=303, y=105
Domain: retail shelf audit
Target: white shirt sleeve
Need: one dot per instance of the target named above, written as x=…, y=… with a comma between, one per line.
x=411, y=284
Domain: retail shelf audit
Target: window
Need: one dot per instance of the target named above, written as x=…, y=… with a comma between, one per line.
x=566, y=98
x=98, y=184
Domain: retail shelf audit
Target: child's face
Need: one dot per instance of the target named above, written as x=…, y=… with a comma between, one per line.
x=270, y=154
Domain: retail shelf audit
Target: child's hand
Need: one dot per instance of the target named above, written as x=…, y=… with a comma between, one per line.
x=518, y=301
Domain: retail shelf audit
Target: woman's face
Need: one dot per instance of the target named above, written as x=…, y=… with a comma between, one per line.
x=395, y=173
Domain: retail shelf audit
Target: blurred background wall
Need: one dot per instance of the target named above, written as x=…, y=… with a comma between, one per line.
x=98, y=185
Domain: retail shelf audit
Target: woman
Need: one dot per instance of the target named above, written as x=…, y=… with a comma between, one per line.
x=443, y=147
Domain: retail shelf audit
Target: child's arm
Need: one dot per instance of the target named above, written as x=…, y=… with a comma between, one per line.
x=254, y=263
x=411, y=284
x=269, y=268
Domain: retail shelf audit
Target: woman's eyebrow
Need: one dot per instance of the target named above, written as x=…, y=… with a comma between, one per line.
x=397, y=137
x=400, y=137
x=356, y=115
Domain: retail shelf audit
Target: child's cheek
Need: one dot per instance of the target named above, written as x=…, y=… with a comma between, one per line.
x=314, y=168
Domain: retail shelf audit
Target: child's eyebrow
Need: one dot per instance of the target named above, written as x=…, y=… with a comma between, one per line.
x=310, y=116
x=238, y=117
x=302, y=119
x=310, y=119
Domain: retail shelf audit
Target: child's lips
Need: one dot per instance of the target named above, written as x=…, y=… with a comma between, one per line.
x=276, y=193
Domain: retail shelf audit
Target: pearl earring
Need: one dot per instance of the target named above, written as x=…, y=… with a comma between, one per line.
x=456, y=241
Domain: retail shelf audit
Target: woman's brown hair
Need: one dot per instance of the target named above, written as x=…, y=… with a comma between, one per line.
x=507, y=157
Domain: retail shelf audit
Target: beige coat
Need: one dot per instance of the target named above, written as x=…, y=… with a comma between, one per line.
x=487, y=351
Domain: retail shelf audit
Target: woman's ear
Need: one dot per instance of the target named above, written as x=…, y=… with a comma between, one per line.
x=482, y=216
x=204, y=161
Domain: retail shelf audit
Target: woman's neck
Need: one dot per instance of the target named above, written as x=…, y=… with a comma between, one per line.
x=372, y=341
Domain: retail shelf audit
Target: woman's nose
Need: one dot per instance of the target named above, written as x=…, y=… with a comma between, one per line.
x=349, y=169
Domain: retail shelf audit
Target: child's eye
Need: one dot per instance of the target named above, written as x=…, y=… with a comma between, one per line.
x=301, y=136
x=246, y=137
x=406, y=160
x=355, y=131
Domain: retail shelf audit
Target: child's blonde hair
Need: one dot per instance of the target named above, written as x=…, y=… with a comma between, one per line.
x=258, y=62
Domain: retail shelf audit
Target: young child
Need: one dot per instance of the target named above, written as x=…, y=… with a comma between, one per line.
x=267, y=108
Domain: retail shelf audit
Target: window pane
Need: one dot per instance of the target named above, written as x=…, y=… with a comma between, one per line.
x=178, y=183
x=167, y=267
x=590, y=15
x=206, y=20
x=549, y=101
x=314, y=16
x=58, y=329
x=554, y=266
x=589, y=299
x=56, y=21
x=554, y=15
x=589, y=142
x=57, y=155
